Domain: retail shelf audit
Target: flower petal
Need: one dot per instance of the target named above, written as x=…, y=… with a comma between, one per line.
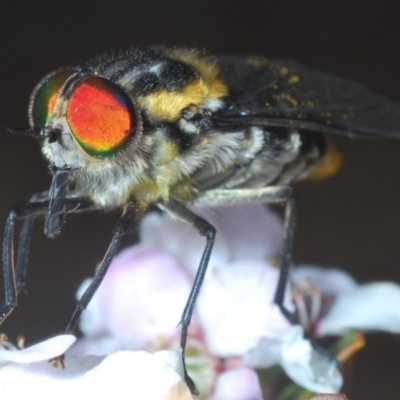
x=42, y=377
x=300, y=361
x=137, y=375
x=330, y=281
x=43, y=351
x=236, y=307
x=181, y=241
x=373, y=306
x=127, y=374
x=238, y=238
x=141, y=298
x=237, y=384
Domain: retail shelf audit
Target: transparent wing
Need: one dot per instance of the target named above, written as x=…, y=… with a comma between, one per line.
x=285, y=94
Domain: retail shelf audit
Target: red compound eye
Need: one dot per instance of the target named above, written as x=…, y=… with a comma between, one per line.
x=101, y=117
x=44, y=97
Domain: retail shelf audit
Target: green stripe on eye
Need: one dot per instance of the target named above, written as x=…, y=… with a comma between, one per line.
x=45, y=95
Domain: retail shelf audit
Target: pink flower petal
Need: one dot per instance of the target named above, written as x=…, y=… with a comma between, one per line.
x=237, y=384
x=141, y=297
x=238, y=238
x=181, y=241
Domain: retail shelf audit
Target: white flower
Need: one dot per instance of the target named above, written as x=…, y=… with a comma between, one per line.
x=235, y=308
x=125, y=374
x=139, y=305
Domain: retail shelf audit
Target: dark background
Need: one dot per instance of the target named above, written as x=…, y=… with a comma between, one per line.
x=351, y=221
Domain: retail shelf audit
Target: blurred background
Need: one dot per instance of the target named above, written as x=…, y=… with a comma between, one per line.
x=351, y=221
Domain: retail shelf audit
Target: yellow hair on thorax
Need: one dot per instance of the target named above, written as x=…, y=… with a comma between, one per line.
x=167, y=105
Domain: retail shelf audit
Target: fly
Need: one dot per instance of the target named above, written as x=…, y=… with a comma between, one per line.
x=171, y=127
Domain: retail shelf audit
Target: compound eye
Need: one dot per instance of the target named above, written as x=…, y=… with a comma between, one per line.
x=101, y=117
x=44, y=97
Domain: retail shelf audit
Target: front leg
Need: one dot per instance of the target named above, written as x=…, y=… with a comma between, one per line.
x=15, y=274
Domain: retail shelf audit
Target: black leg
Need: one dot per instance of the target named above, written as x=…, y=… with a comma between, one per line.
x=57, y=195
x=286, y=257
x=126, y=221
x=208, y=231
x=270, y=195
x=15, y=275
x=24, y=242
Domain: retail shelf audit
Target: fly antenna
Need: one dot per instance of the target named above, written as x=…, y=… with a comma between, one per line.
x=25, y=132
